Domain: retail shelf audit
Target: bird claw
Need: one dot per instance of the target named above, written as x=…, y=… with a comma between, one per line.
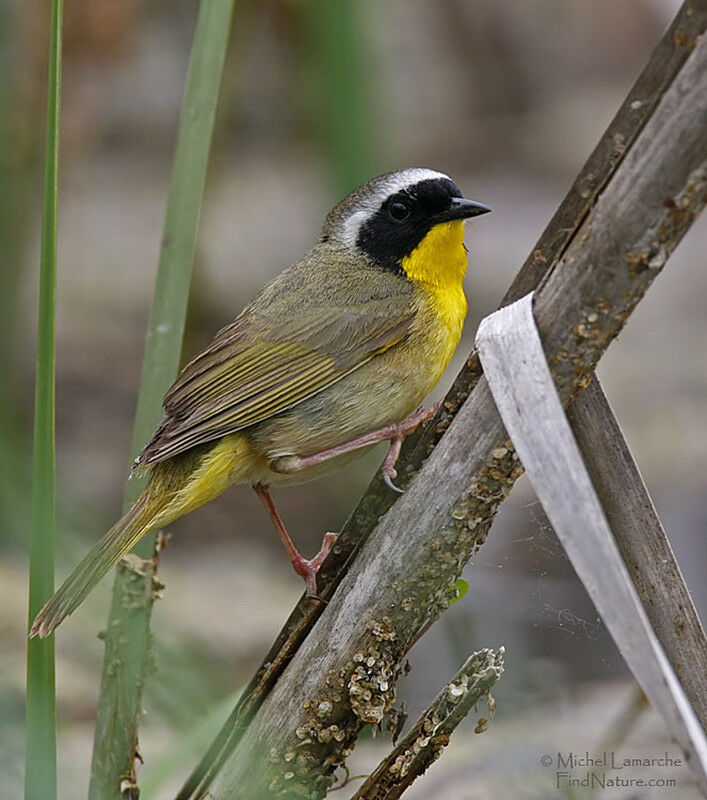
x=316, y=598
x=388, y=481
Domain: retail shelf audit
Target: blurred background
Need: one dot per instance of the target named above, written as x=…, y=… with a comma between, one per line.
x=509, y=99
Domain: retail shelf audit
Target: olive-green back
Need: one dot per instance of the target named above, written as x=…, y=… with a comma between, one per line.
x=313, y=325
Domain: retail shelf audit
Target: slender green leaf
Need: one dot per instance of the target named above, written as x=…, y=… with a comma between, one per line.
x=128, y=659
x=21, y=134
x=40, y=764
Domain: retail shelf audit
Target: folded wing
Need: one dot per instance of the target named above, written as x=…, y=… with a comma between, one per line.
x=259, y=366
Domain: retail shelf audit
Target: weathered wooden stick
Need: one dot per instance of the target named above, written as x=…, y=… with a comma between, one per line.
x=416, y=551
x=665, y=63
x=431, y=733
x=640, y=103
x=642, y=542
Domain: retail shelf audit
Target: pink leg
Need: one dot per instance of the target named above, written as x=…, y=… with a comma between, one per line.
x=395, y=433
x=305, y=568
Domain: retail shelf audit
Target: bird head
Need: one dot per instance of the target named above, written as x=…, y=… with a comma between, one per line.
x=387, y=218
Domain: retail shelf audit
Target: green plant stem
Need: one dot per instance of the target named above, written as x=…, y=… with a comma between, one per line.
x=40, y=770
x=21, y=136
x=127, y=660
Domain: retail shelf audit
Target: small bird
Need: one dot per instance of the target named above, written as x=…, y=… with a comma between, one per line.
x=331, y=357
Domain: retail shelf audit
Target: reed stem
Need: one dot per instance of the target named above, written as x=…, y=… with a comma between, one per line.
x=128, y=659
x=40, y=762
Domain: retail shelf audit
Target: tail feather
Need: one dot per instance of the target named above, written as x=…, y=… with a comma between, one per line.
x=176, y=487
x=116, y=543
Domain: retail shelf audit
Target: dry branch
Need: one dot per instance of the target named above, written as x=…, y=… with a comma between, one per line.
x=402, y=571
x=658, y=75
x=428, y=737
x=523, y=389
x=642, y=541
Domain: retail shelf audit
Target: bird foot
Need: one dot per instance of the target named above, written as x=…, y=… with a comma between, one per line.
x=307, y=568
x=399, y=431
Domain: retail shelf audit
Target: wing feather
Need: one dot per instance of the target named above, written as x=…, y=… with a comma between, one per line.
x=259, y=366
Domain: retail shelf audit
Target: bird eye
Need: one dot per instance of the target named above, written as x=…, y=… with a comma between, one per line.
x=398, y=210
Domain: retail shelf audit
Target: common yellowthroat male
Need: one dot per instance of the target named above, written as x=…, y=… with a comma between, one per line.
x=331, y=357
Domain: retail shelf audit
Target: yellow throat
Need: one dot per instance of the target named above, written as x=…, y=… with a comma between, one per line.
x=438, y=265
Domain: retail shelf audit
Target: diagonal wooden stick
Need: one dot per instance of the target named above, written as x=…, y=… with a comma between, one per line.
x=638, y=107
x=402, y=571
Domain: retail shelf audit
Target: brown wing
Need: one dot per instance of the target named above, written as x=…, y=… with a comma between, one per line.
x=261, y=365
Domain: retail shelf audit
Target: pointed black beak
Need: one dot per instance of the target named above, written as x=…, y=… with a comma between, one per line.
x=461, y=208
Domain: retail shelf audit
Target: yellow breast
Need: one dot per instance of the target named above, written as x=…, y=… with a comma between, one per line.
x=437, y=266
